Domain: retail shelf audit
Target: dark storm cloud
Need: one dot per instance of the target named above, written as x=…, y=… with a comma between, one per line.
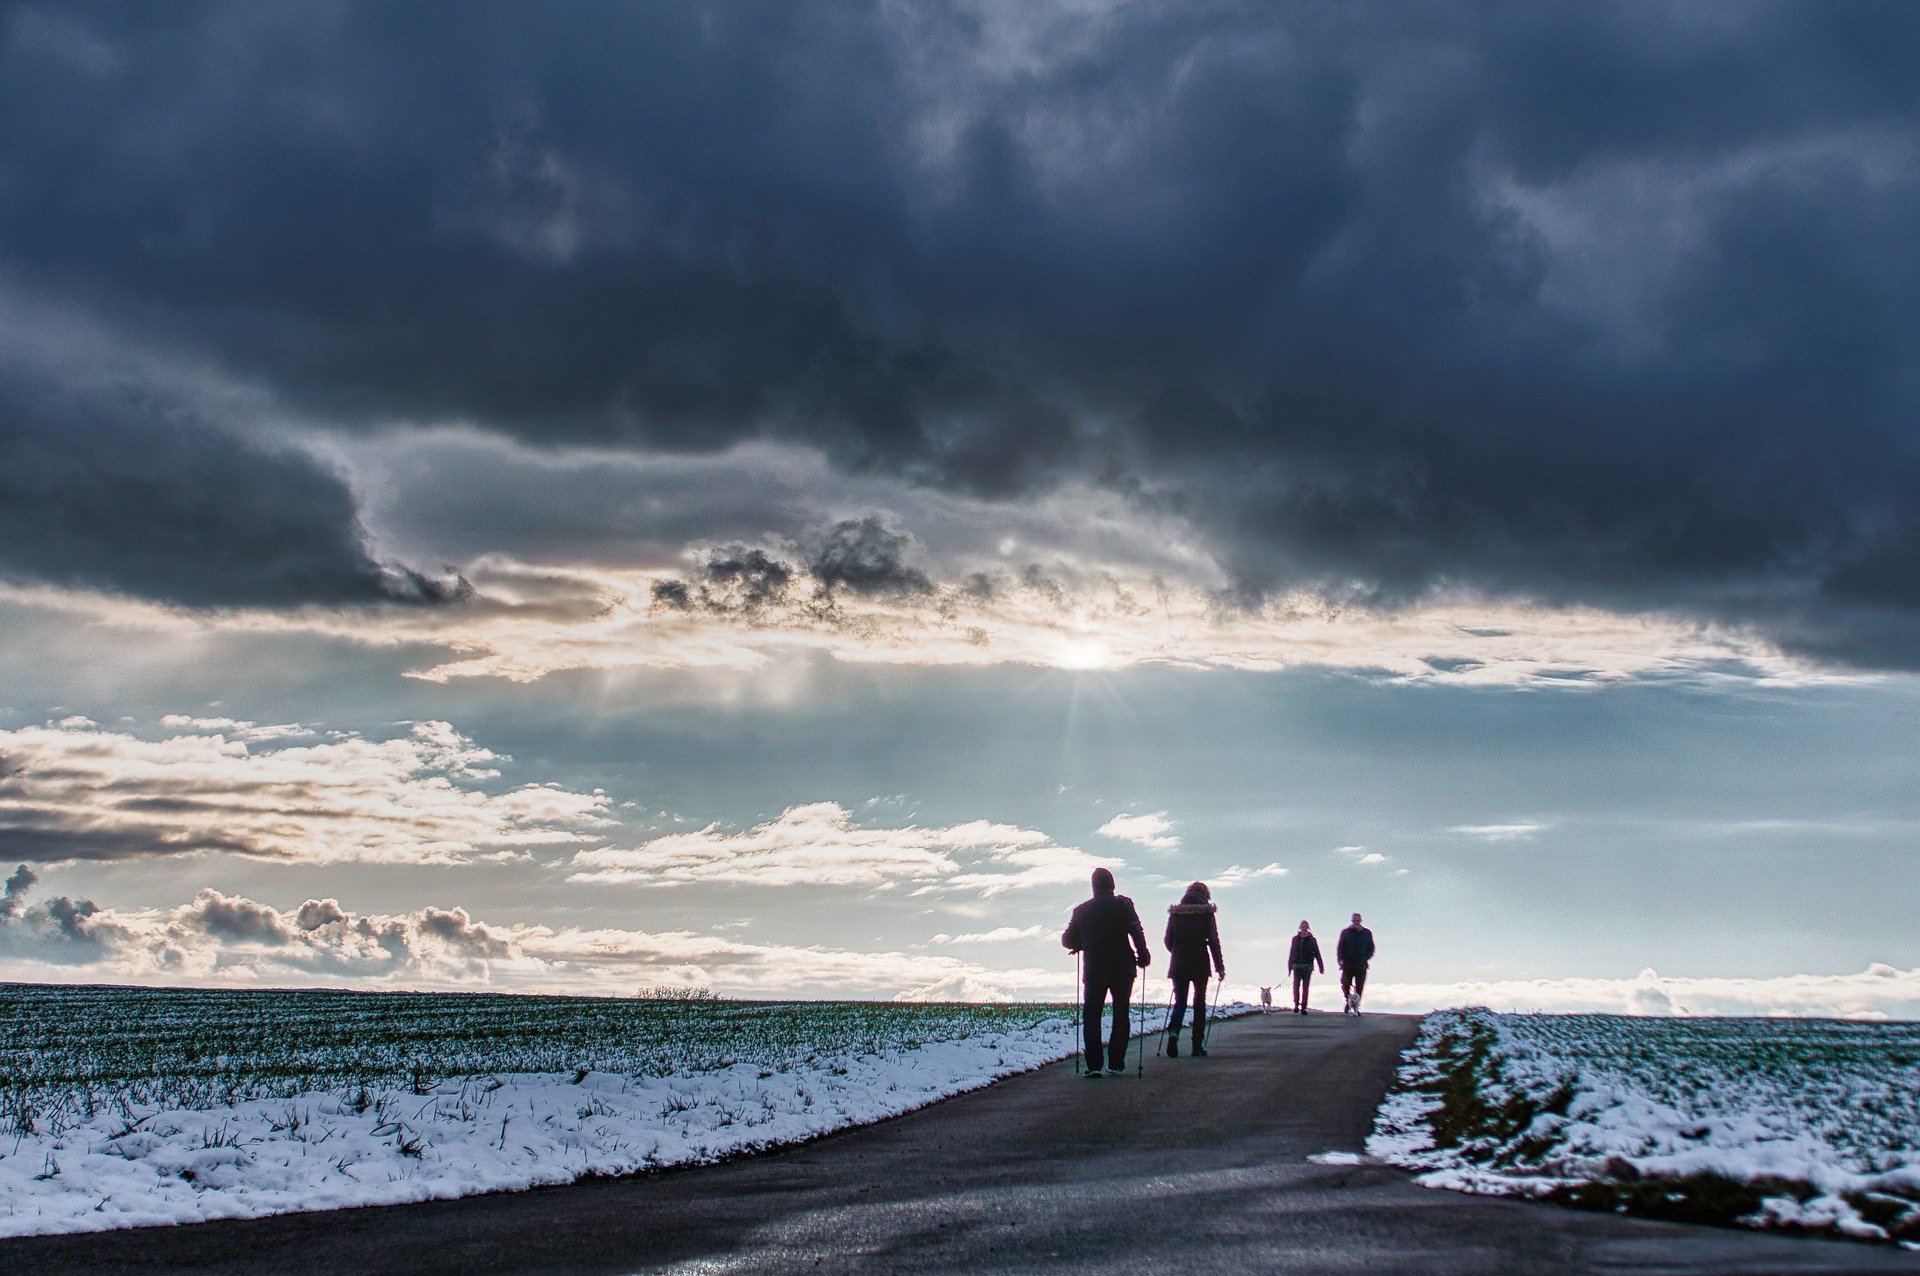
x=754, y=576
x=116, y=490
x=729, y=578
x=1599, y=303
x=867, y=556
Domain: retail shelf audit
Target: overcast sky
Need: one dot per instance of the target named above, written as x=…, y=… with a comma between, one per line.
x=595, y=495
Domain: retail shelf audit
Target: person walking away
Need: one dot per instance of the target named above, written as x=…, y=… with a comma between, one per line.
x=1302, y=956
x=1193, y=936
x=1353, y=952
x=1107, y=934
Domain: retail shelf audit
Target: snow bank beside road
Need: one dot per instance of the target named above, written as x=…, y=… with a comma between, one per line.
x=131, y=1163
x=1800, y=1124
x=475, y=1134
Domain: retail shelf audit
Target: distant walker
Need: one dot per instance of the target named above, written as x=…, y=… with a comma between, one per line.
x=1353, y=952
x=1302, y=956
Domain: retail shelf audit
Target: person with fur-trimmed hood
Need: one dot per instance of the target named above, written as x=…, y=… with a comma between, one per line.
x=1193, y=936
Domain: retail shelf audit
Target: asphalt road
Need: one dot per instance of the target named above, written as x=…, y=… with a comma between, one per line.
x=1200, y=1167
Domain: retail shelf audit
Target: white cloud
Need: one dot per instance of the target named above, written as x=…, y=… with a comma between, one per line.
x=219, y=939
x=1878, y=992
x=957, y=988
x=249, y=731
x=1372, y=857
x=1237, y=874
x=1152, y=830
x=998, y=935
x=820, y=844
x=1498, y=832
x=528, y=621
x=78, y=792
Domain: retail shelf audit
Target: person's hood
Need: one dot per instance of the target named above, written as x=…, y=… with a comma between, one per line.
x=1189, y=910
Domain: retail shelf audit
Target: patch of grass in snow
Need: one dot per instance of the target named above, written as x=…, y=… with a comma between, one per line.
x=1793, y=1124
x=1477, y=1106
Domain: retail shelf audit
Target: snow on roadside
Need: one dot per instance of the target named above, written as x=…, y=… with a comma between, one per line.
x=360, y=1146
x=328, y=1150
x=1797, y=1124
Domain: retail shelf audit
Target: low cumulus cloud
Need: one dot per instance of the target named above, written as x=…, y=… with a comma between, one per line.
x=218, y=938
x=998, y=935
x=224, y=939
x=60, y=930
x=1877, y=992
x=1153, y=830
x=1240, y=874
x=77, y=791
x=821, y=844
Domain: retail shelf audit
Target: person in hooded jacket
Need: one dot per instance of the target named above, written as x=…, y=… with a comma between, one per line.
x=1302, y=956
x=1193, y=936
x=1107, y=934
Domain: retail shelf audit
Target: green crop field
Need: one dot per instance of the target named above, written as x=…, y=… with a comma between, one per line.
x=66, y=1050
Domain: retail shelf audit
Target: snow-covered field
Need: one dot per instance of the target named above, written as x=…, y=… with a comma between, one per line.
x=124, y=1107
x=1787, y=1123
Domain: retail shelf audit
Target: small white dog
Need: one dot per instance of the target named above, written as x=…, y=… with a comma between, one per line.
x=1266, y=1001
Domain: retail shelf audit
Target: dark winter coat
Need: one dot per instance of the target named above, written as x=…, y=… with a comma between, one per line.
x=1106, y=930
x=1193, y=932
x=1355, y=948
x=1305, y=953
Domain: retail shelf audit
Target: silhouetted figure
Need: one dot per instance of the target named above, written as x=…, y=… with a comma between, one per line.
x=1193, y=935
x=1106, y=932
x=1302, y=956
x=1353, y=952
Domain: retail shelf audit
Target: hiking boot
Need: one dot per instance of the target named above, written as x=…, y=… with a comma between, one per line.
x=1092, y=1074
x=1199, y=1052
x=1173, y=1047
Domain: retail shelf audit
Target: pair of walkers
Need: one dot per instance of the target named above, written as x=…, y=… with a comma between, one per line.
x=1354, y=952
x=1112, y=944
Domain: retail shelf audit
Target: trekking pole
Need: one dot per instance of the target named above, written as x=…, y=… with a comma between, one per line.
x=1142, y=1068
x=1076, y=1029
x=1218, y=984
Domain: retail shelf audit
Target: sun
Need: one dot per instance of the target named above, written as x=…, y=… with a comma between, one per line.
x=1085, y=653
